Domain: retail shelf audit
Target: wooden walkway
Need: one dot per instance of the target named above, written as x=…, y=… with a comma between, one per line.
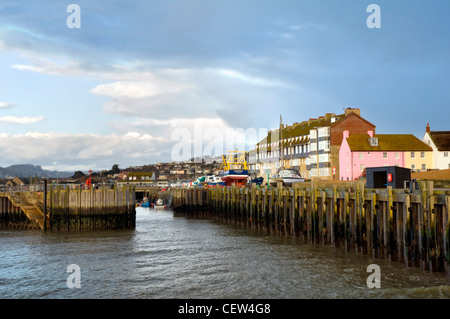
x=28, y=204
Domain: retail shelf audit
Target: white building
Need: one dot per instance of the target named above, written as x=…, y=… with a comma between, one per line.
x=440, y=143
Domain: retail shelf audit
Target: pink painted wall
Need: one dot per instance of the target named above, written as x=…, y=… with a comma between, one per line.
x=350, y=163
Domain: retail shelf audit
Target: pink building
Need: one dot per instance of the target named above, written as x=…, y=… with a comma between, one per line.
x=360, y=151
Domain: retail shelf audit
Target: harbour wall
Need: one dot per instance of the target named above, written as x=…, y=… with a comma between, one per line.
x=106, y=207
x=408, y=227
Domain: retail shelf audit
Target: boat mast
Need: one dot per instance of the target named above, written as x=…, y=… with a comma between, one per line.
x=281, y=143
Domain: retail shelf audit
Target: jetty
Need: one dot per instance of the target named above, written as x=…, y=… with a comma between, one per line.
x=408, y=226
x=61, y=208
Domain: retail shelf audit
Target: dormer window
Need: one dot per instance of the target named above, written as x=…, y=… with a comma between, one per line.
x=373, y=141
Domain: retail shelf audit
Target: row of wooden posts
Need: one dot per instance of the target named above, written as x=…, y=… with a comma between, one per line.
x=412, y=228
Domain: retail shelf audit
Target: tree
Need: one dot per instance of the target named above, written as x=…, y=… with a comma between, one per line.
x=78, y=174
x=115, y=169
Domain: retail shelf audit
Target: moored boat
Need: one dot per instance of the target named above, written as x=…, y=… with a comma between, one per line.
x=214, y=181
x=287, y=177
x=235, y=168
x=145, y=202
x=160, y=204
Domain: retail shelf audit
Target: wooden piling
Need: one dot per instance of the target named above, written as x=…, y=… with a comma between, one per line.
x=410, y=228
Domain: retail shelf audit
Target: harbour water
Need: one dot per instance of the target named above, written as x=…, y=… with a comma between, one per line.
x=169, y=257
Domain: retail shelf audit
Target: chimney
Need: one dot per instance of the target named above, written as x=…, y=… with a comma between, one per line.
x=370, y=133
x=349, y=111
x=346, y=133
x=428, y=128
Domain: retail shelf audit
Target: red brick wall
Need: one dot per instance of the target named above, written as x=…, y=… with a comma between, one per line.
x=352, y=123
x=355, y=125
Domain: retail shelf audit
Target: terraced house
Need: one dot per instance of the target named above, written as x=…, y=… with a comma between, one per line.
x=311, y=147
x=439, y=141
x=360, y=151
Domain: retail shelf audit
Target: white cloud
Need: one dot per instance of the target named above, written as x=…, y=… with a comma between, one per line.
x=139, y=89
x=5, y=105
x=21, y=120
x=248, y=79
x=80, y=150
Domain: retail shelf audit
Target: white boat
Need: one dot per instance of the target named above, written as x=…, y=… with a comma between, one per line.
x=287, y=177
x=160, y=204
x=213, y=180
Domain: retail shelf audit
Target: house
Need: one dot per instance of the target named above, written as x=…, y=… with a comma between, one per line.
x=439, y=141
x=15, y=182
x=140, y=177
x=311, y=147
x=359, y=151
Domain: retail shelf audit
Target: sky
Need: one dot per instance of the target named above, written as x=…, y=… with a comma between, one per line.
x=141, y=82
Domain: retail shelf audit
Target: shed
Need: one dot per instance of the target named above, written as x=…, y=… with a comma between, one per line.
x=382, y=177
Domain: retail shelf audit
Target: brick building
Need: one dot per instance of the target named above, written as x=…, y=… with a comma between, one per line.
x=311, y=147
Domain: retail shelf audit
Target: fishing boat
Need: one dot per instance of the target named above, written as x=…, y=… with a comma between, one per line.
x=235, y=168
x=287, y=177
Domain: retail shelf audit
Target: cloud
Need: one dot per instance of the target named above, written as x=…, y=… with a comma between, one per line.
x=307, y=26
x=80, y=150
x=139, y=89
x=258, y=81
x=21, y=120
x=5, y=105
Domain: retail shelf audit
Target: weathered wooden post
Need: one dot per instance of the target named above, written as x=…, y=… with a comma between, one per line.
x=45, y=205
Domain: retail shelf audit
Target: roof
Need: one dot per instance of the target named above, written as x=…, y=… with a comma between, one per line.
x=430, y=175
x=299, y=132
x=441, y=139
x=387, y=142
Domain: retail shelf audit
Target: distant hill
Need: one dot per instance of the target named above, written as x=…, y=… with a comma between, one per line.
x=30, y=170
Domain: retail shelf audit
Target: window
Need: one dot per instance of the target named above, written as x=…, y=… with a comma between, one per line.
x=361, y=167
x=413, y=167
x=446, y=154
x=324, y=145
x=413, y=155
x=385, y=155
x=424, y=167
x=361, y=155
x=397, y=155
x=422, y=154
